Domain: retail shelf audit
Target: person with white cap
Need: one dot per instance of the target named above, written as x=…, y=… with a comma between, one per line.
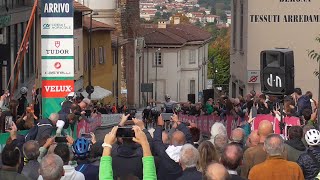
x=310, y=160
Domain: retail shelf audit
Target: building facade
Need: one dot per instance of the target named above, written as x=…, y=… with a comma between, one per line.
x=259, y=25
x=101, y=55
x=174, y=60
x=14, y=16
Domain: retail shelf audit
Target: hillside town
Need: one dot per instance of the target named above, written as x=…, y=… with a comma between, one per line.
x=199, y=14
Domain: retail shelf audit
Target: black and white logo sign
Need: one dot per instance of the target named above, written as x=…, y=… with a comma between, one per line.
x=274, y=79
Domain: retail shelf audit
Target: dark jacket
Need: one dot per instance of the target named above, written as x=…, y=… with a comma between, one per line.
x=303, y=103
x=127, y=159
x=31, y=169
x=236, y=177
x=308, y=165
x=89, y=170
x=11, y=174
x=45, y=128
x=191, y=174
x=167, y=169
x=293, y=149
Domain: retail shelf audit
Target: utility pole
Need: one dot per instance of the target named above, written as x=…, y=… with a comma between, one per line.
x=90, y=56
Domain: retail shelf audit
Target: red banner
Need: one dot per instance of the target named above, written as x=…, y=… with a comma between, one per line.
x=57, y=88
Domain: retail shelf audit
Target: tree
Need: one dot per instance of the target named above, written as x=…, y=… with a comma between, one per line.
x=314, y=55
x=158, y=7
x=198, y=23
x=219, y=50
x=183, y=18
x=157, y=15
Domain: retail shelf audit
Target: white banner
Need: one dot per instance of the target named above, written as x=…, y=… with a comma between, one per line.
x=57, y=68
x=57, y=47
x=56, y=26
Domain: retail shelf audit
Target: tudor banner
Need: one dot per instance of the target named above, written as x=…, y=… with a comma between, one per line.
x=57, y=53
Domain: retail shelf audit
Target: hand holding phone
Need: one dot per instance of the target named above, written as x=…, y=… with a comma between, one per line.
x=8, y=123
x=125, y=132
x=60, y=139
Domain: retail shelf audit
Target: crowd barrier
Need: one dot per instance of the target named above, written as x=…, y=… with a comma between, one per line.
x=204, y=122
x=89, y=126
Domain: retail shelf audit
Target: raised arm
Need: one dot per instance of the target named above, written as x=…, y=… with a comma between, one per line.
x=149, y=168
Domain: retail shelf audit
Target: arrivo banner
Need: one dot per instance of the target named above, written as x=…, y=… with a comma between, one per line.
x=57, y=53
x=57, y=88
x=57, y=47
x=57, y=68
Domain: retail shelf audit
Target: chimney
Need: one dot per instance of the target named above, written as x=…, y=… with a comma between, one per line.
x=162, y=24
x=176, y=20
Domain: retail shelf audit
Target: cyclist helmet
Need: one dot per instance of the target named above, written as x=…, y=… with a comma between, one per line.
x=81, y=147
x=313, y=137
x=71, y=96
x=23, y=90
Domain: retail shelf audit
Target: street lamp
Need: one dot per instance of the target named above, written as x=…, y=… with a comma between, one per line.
x=90, y=55
x=156, y=60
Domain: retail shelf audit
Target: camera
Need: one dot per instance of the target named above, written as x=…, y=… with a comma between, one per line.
x=132, y=113
x=60, y=139
x=125, y=132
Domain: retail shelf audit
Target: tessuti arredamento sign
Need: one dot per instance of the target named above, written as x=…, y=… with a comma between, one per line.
x=57, y=53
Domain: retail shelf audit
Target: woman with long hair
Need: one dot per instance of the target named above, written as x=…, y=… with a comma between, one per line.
x=208, y=154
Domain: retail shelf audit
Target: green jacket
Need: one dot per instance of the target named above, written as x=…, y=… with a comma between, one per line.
x=209, y=108
x=106, y=173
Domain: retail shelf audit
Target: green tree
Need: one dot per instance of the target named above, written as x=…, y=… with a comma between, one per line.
x=157, y=15
x=314, y=55
x=157, y=7
x=219, y=50
x=198, y=23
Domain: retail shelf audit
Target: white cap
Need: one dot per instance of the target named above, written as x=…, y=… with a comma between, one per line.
x=60, y=124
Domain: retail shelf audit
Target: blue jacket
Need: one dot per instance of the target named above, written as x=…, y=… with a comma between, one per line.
x=309, y=167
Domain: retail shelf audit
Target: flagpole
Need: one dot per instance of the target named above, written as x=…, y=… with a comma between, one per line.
x=22, y=49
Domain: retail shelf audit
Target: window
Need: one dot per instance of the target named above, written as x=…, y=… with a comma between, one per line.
x=157, y=59
x=241, y=26
x=192, y=56
x=93, y=57
x=85, y=61
x=234, y=24
x=102, y=57
x=192, y=86
x=240, y=91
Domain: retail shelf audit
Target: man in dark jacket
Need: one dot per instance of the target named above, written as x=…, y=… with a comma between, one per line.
x=302, y=101
x=168, y=157
x=231, y=158
x=310, y=160
x=127, y=155
x=294, y=146
x=31, y=153
x=47, y=126
x=189, y=157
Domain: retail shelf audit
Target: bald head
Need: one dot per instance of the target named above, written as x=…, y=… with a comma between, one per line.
x=178, y=138
x=265, y=128
x=217, y=171
x=253, y=139
x=231, y=156
x=237, y=135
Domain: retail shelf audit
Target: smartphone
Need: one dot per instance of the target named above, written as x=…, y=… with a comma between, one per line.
x=8, y=122
x=125, y=132
x=86, y=135
x=88, y=113
x=132, y=113
x=60, y=139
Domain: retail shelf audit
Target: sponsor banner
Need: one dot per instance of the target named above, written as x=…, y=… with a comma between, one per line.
x=57, y=68
x=57, y=88
x=56, y=26
x=57, y=47
x=57, y=8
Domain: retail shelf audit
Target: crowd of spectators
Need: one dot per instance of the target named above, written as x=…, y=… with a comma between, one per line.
x=178, y=153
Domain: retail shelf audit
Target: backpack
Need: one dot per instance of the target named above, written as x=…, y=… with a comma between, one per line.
x=33, y=132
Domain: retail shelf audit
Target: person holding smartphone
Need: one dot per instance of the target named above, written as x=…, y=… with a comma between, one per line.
x=9, y=114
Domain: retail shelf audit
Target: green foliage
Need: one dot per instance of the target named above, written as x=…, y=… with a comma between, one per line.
x=157, y=7
x=219, y=54
x=157, y=15
x=314, y=55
